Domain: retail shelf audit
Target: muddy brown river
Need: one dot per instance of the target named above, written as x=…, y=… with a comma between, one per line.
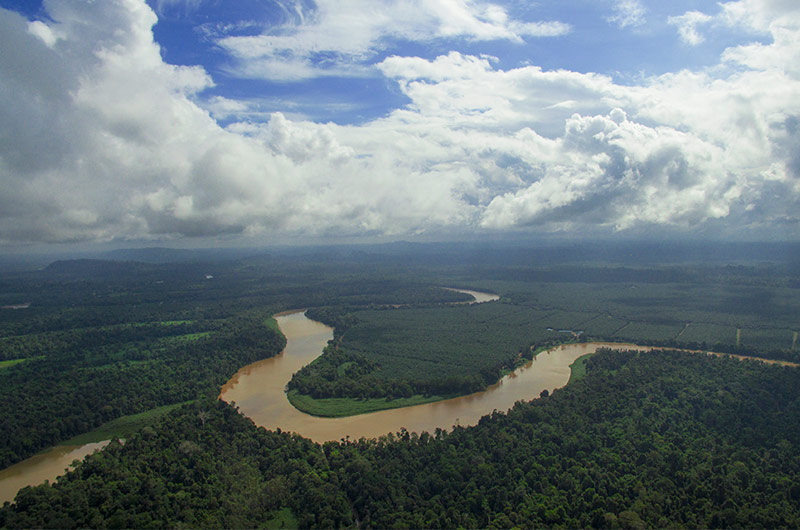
x=258, y=390
x=44, y=466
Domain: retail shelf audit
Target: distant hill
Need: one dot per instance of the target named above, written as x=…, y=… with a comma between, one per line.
x=96, y=267
x=176, y=255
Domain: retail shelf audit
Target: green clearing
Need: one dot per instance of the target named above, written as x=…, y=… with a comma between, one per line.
x=577, y=370
x=12, y=362
x=123, y=427
x=282, y=519
x=272, y=324
x=446, y=342
x=189, y=337
x=342, y=368
x=341, y=407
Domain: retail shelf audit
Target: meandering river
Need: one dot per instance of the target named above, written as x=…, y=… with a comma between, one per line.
x=258, y=389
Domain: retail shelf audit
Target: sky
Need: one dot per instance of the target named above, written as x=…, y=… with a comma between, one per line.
x=262, y=121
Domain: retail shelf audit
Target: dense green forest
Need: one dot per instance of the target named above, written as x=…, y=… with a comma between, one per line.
x=644, y=440
x=679, y=440
x=102, y=340
x=462, y=349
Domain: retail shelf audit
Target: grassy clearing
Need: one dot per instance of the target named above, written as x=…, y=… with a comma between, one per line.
x=12, y=362
x=340, y=407
x=578, y=368
x=188, y=337
x=123, y=427
x=273, y=324
x=342, y=368
x=283, y=518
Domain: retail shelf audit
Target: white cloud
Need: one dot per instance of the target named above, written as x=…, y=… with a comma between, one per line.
x=44, y=32
x=687, y=26
x=762, y=15
x=183, y=6
x=628, y=13
x=338, y=38
x=100, y=139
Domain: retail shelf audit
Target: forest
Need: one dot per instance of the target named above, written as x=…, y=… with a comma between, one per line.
x=662, y=439
x=460, y=349
x=681, y=441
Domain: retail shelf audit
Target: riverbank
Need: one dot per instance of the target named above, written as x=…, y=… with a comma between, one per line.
x=258, y=390
x=123, y=427
x=343, y=407
x=346, y=406
x=51, y=463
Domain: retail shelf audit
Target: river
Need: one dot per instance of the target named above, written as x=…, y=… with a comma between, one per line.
x=477, y=295
x=258, y=389
x=44, y=466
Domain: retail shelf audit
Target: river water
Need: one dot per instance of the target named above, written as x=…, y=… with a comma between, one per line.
x=477, y=295
x=44, y=466
x=258, y=390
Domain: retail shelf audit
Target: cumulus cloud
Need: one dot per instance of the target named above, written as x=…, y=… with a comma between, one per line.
x=338, y=38
x=628, y=13
x=100, y=139
x=687, y=26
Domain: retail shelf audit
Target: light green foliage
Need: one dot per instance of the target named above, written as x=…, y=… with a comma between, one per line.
x=11, y=362
x=282, y=519
x=577, y=370
x=340, y=407
x=123, y=427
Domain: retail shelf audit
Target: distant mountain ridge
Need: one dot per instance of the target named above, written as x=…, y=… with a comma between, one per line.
x=97, y=267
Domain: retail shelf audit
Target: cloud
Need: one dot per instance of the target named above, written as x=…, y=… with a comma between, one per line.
x=628, y=13
x=762, y=15
x=339, y=38
x=178, y=6
x=100, y=139
x=687, y=26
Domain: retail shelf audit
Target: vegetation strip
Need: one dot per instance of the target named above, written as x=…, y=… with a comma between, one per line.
x=123, y=427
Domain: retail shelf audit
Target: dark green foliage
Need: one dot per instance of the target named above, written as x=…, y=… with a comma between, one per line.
x=437, y=350
x=205, y=466
x=462, y=349
x=661, y=439
x=107, y=339
x=713, y=302
x=47, y=400
x=657, y=440
x=338, y=374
